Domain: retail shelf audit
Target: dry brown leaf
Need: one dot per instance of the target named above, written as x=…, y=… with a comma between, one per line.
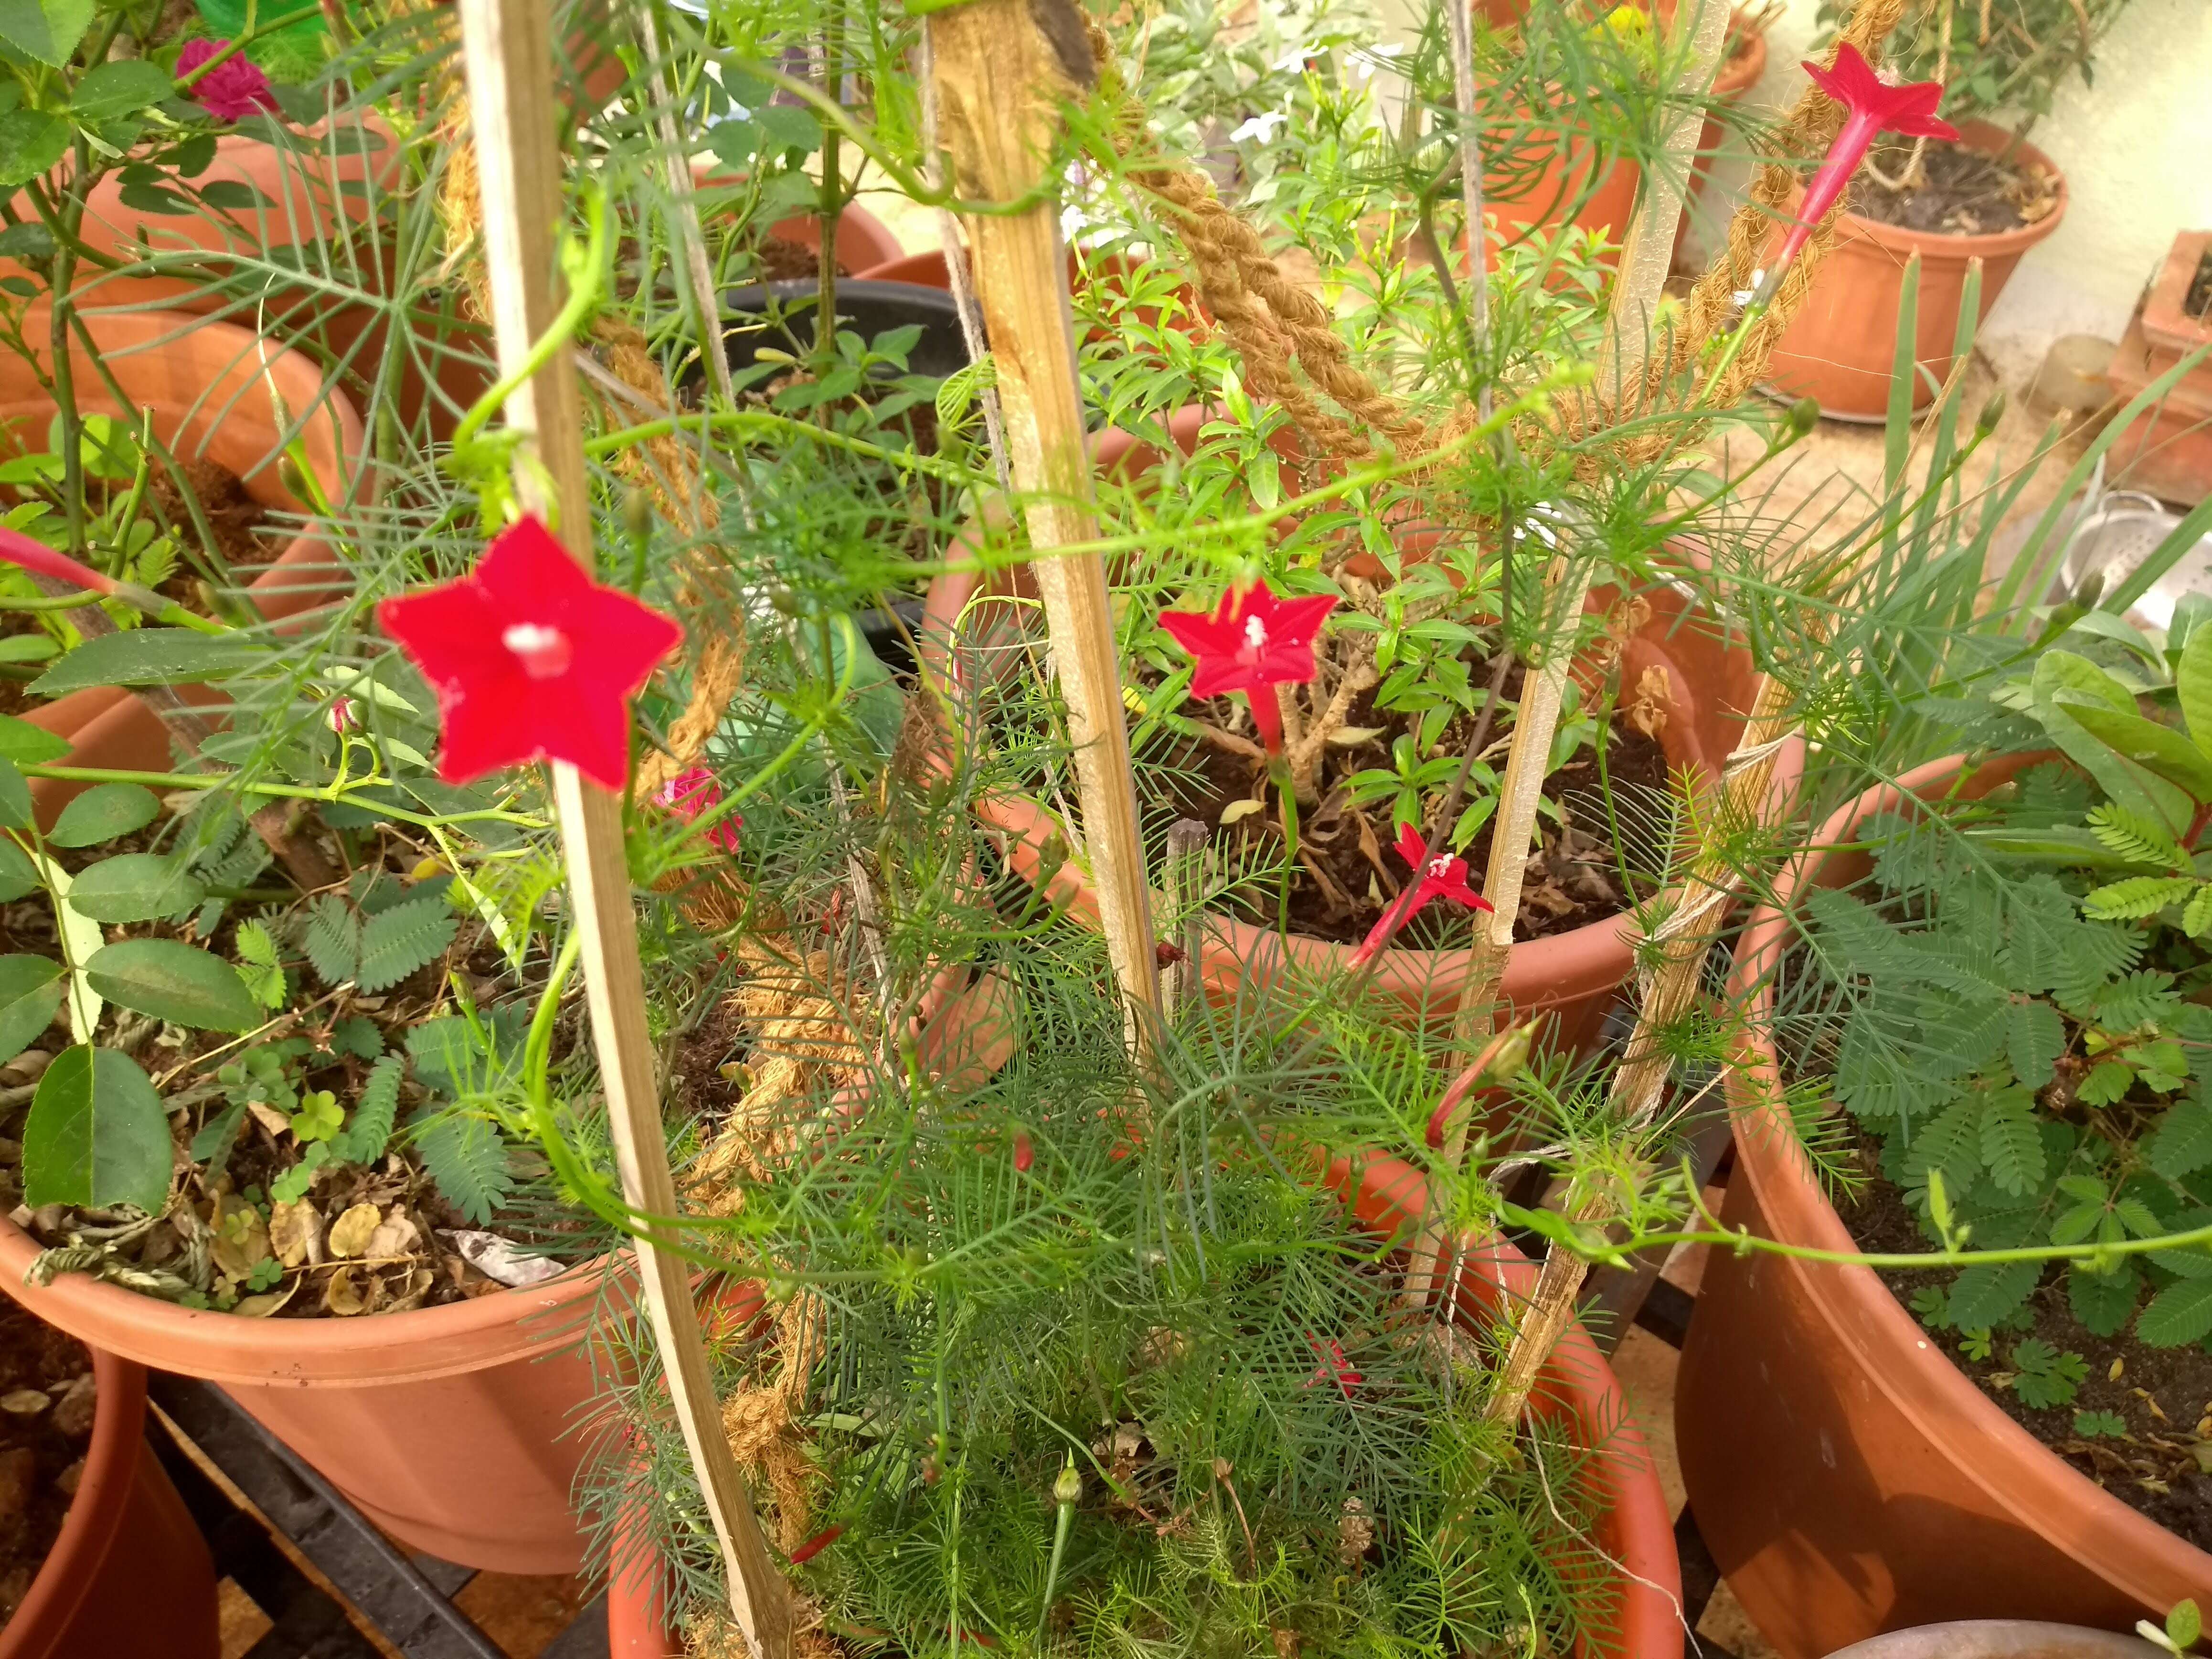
x=1355, y=1531
x=410, y=1291
x=270, y=1118
x=25, y=1402
x=241, y=1237
x=351, y=1232
x=398, y=1237
x=261, y=1307
x=347, y=1294
x=296, y=1233
x=1654, y=697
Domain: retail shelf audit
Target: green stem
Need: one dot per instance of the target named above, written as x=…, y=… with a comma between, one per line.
x=1059, y=1549
x=252, y=32
x=1279, y=772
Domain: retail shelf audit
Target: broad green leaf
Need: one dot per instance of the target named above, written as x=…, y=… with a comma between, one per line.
x=103, y=812
x=28, y=648
x=27, y=745
x=2184, y=1625
x=2062, y=671
x=31, y=142
x=18, y=875
x=123, y=87
x=149, y=656
x=2121, y=780
x=14, y=797
x=48, y=30
x=97, y=1135
x=2192, y=679
x=175, y=981
x=30, y=996
x=2158, y=749
x=135, y=887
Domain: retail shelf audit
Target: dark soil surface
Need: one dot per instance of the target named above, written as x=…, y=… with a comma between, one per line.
x=46, y=1422
x=1571, y=882
x=787, y=262
x=1964, y=193
x=2163, y=1394
x=237, y=520
x=2199, y=304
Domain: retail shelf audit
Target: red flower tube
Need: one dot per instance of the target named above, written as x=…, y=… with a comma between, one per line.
x=1873, y=107
x=1253, y=643
x=1442, y=877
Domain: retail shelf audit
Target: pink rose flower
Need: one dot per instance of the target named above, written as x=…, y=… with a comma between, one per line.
x=233, y=89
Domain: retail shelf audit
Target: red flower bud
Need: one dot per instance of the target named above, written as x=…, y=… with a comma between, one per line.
x=1025, y=1154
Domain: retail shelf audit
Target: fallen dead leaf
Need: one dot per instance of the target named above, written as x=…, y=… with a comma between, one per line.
x=351, y=1232
x=270, y=1118
x=501, y=1258
x=241, y=1237
x=295, y=1234
x=261, y=1306
x=395, y=1237
x=346, y=1295
x=25, y=1402
x=1654, y=696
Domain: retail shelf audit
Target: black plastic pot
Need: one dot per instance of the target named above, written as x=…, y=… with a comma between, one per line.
x=781, y=316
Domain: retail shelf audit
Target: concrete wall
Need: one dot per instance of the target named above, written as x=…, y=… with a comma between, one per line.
x=2137, y=150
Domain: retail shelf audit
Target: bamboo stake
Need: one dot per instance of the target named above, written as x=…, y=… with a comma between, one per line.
x=1680, y=940
x=1000, y=67
x=509, y=52
x=699, y=275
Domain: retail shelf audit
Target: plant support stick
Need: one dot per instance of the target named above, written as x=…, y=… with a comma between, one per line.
x=509, y=53
x=1000, y=67
x=1688, y=915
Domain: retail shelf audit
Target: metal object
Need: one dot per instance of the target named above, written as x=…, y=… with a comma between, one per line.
x=2113, y=534
x=1998, y=1639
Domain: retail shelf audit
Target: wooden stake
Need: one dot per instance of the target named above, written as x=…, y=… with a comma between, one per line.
x=1689, y=914
x=509, y=53
x=1000, y=69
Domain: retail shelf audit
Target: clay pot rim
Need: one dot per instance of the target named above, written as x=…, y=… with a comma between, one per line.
x=224, y=1347
x=1985, y=139
x=1740, y=74
x=1998, y=1639
x=1918, y=1379
x=2163, y=320
x=95, y=1514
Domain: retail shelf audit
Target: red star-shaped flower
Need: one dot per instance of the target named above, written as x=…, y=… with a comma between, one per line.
x=1253, y=643
x=1872, y=106
x=1442, y=877
x=532, y=659
x=1334, y=1366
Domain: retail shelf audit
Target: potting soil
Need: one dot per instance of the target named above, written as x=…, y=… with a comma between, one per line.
x=1963, y=193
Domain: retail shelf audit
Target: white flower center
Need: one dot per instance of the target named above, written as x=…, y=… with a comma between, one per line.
x=1440, y=867
x=1255, y=633
x=543, y=652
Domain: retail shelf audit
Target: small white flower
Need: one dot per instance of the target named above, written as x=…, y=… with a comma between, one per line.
x=1259, y=128
x=1293, y=61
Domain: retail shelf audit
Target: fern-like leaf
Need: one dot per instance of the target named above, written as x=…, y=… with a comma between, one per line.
x=465, y=1156
x=331, y=935
x=2011, y=1144
x=2137, y=838
x=2179, y=1314
x=1986, y=1297
x=258, y=964
x=2197, y=917
x=2134, y=897
x=2182, y=1142
x=2102, y=1301
x=368, y=1130
x=2137, y=1000
x=398, y=941
x=2034, y=1038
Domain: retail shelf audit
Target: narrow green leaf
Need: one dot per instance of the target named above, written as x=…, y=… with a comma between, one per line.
x=27, y=744
x=175, y=981
x=18, y=875
x=97, y=1135
x=14, y=797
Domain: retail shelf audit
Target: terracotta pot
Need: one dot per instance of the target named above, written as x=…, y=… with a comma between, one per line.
x=210, y=388
x=1999, y=1638
x=865, y=243
x=2168, y=450
x=1839, y=349
x=1632, y=1571
x=1571, y=978
x=1847, y=1478
x=129, y=1573
x=458, y=1430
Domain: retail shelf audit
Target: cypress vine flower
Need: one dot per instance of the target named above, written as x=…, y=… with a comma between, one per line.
x=531, y=659
x=690, y=795
x=1253, y=643
x=1872, y=106
x=1442, y=877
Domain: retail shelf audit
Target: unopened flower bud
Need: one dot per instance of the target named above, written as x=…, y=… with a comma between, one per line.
x=288, y=475
x=637, y=513
x=1068, y=1489
x=1801, y=418
x=784, y=600
x=342, y=715
x=1992, y=412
